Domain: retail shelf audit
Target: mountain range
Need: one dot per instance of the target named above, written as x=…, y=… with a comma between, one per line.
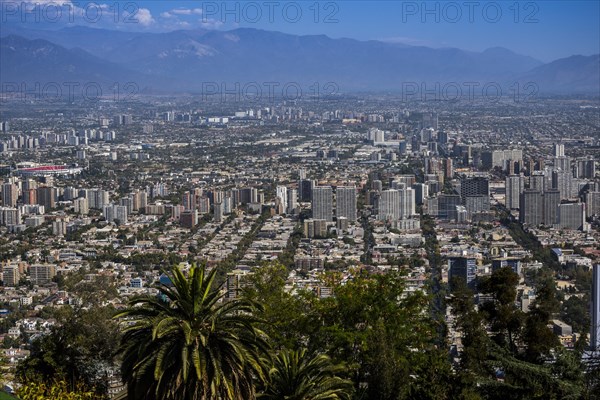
x=185, y=60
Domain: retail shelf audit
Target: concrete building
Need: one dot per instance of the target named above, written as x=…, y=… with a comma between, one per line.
x=464, y=268
x=562, y=181
x=10, y=194
x=11, y=275
x=497, y=158
x=515, y=184
x=322, y=203
x=551, y=201
x=592, y=204
x=571, y=216
x=531, y=210
x=42, y=273
x=474, y=186
x=292, y=201
x=281, y=194
x=345, y=202
x=388, y=205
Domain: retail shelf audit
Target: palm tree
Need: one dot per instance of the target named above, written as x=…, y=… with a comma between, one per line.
x=297, y=376
x=191, y=346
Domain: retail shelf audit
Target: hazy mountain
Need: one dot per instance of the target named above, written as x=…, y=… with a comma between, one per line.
x=190, y=58
x=575, y=74
x=42, y=61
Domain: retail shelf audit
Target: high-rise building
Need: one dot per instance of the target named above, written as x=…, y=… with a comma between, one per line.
x=305, y=187
x=407, y=203
x=81, y=206
x=497, y=158
x=463, y=268
x=315, y=228
x=531, y=209
x=442, y=137
x=537, y=181
x=551, y=201
x=248, y=195
x=59, y=227
x=322, y=203
x=377, y=185
x=189, y=219
x=30, y=196
x=421, y=192
x=204, y=205
x=562, y=181
x=388, y=205
x=429, y=120
x=46, y=196
x=514, y=186
x=11, y=275
x=218, y=212
x=571, y=216
x=595, y=311
x=97, y=198
x=448, y=168
x=188, y=201
x=446, y=206
x=9, y=216
x=559, y=150
x=586, y=168
x=281, y=194
x=345, y=198
x=477, y=204
x=592, y=203
x=42, y=273
x=114, y=213
x=227, y=205
x=474, y=186
x=10, y=193
x=292, y=200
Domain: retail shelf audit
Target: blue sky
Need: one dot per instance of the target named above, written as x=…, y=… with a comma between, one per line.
x=546, y=30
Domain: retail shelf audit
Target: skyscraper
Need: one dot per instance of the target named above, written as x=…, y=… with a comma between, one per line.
x=292, y=200
x=388, y=205
x=322, y=203
x=551, y=202
x=537, y=181
x=559, y=150
x=281, y=193
x=586, y=168
x=531, y=209
x=345, y=197
x=562, y=180
x=473, y=186
x=514, y=187
x=571, y=216
x=407, y=203
x=463, y=268
x=10, y=193
x=592, y=202
x=46, y=196
x=305, y=187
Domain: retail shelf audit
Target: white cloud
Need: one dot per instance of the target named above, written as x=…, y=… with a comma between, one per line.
x=181, y=11
x=144, y=17
x=210, y=23
x=187, y=11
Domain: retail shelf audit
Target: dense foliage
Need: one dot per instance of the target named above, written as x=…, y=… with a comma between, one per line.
x=372, y=338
